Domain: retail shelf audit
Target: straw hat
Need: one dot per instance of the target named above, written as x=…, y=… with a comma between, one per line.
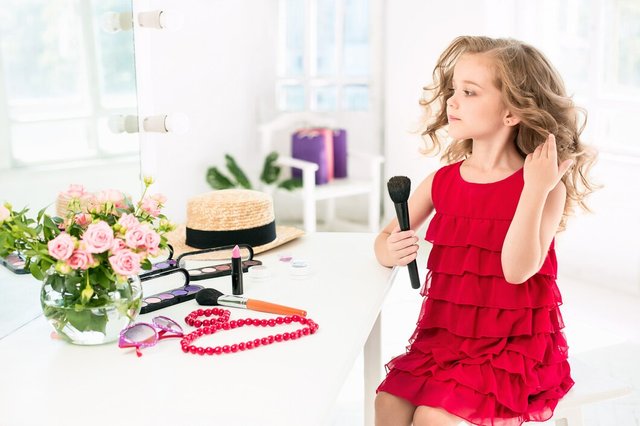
x=228, y=217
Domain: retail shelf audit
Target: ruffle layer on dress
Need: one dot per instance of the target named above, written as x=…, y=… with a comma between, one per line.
x=511, y=385
x=480, y=321
x=541, y=348
x=493, y=291
x=476, y=407
x=449, y=230
x=455, y=260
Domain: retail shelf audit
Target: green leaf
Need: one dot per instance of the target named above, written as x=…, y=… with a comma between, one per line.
x=41, y=213
x=146, y=264
x=270, y=171
x=102, y=278
x=217, y=180
x=85, y=320
x=36, y=271
x=290, y=184
x=237, y=172
x=56, y=282
x=72, y=285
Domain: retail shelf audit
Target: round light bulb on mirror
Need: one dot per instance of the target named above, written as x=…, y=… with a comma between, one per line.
x=177, y=123
x=160, y=19
x=119, y=123
x=112, y=22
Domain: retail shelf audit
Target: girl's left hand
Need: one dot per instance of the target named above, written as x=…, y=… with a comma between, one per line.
x=541, y=169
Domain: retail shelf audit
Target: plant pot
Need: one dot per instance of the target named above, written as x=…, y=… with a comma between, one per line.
x=96, y=321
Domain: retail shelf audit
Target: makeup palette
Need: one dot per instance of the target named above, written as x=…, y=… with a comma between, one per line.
x=220, y=255
x=14, y=262
x=164, y=264
x=169, y=298
x=179, y=289
x=220, y=270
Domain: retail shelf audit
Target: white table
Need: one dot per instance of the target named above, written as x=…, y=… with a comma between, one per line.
x=47, y=381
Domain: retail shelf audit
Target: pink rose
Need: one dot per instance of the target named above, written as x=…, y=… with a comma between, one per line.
x=98, y=237
x=80, y=259
x=61, y=247
x=128, y=221
x=4, y=213
x=118, y=245
x=75, y=191
x=125, y=262
x=151, y=242
x=153, y=204
x=135, y=236
x=112, y=195
x=82, y=219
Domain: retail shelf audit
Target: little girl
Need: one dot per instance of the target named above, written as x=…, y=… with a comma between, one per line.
x=488, y=347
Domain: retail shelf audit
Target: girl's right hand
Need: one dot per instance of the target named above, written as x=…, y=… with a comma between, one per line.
x=402, y=246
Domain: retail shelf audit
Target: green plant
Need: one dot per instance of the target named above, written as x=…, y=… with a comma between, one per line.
x=269, y=175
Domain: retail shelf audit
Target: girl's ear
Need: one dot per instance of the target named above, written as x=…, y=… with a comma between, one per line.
x=510, y=120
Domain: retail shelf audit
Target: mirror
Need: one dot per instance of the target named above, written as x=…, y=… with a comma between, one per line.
x=66, y=70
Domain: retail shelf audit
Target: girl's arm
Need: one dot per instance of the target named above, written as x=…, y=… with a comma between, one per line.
x=395, y=247
x=537, y=216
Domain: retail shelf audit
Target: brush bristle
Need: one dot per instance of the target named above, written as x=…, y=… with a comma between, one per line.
x=208, y=297
x=399, y=188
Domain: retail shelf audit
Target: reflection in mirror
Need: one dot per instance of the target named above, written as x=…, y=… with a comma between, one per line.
x=65, y=68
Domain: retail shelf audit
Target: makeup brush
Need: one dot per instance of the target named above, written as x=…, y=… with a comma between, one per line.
x=399, y=188
x=213, y=297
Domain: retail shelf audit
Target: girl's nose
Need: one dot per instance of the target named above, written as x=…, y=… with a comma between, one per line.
x=451, y=102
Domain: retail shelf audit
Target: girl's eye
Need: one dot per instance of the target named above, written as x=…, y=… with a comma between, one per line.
x=467, y=92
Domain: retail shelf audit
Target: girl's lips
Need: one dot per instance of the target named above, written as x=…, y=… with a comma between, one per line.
x=452, y=118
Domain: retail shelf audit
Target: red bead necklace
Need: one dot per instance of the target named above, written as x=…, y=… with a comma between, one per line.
x=210, y=326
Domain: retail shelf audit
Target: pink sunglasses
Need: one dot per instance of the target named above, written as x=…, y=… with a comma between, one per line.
x=142, y=334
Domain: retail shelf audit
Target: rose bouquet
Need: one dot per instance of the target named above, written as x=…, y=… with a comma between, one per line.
x=88, y=256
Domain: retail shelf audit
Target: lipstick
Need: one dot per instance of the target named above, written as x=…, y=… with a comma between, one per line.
x=236, y=272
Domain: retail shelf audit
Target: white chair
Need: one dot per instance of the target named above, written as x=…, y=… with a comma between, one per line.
x=591, y=387
x=278, y=132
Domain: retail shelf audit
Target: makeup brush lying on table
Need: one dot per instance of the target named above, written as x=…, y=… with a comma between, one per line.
x=213, y=297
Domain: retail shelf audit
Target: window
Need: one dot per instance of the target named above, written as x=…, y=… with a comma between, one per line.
x=61, y=76
x=596, y=46
x=324, y=60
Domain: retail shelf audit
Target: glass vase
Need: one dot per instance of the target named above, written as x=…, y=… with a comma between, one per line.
x=100, y=319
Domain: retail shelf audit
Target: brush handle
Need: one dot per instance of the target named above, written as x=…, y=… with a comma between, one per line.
x=413, y=274
x=272, y=308
x=402, y=212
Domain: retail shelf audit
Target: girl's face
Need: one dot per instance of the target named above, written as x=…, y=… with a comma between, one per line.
x=475, y=109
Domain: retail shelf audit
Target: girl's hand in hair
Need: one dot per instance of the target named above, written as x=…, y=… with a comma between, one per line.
x=541, y=169
x=402, y=246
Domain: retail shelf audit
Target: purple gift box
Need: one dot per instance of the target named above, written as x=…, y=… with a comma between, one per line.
x=325, y=147
x=339, y=153
x=311, y=145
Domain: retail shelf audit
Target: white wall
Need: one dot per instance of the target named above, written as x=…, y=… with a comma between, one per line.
x=603, y=248
x=416, y=33
x=219, y=70
x=37, y=187
x=214, y=69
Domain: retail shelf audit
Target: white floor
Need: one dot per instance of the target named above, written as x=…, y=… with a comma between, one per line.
x=602, y=327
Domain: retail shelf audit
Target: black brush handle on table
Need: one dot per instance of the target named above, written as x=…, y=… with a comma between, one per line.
x=399, y=188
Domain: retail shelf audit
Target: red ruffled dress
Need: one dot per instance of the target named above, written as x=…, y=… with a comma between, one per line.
x=485, y=350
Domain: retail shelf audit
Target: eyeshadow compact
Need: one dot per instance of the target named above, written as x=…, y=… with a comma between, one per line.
x=168, y=263
x=221, y=255
x=14, y=262
x=182, y=290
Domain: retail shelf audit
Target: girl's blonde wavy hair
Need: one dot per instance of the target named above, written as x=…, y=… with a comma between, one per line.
x=533, y=91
